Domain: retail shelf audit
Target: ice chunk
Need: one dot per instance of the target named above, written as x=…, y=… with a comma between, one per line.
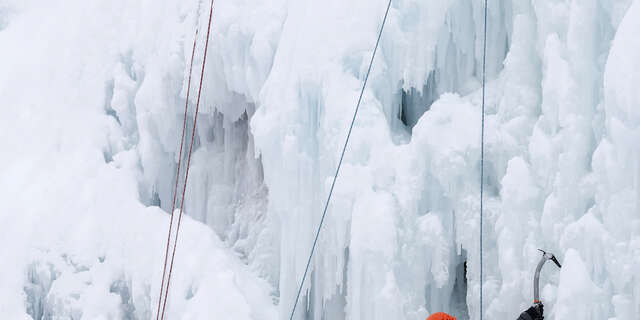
x=578, y=296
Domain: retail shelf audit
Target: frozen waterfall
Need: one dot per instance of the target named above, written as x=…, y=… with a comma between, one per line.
x=92, y=95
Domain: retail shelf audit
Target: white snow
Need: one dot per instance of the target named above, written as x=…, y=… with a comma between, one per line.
x=92, y=95
x=77, y=241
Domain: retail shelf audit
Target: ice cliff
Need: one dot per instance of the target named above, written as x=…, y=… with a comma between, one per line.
x=92, y=94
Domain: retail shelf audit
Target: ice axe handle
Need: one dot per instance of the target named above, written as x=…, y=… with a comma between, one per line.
x=536, y=278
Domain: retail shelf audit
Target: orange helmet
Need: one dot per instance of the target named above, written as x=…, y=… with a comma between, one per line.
x=441, y=316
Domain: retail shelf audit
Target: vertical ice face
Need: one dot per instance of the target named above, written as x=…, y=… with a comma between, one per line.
x=405, y=210
x=226, y=186
x=391, y=246
x=92, y=107
x=99, y=98
x=617, y=173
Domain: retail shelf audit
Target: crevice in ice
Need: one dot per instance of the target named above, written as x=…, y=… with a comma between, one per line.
x=446, y=289
x=39, y=280
x=328, y=306
x=226, y=189
x=334, y=307
x=499, y=32
x=459, y=293
x=119, y=104
x=155, y=198
x=127, y=308
x=456, y=62
x=414, y=103
x=108, y=96
x=191, y=292
x=227, y=178
x=108, y=156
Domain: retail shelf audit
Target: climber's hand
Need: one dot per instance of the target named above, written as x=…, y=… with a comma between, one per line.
x=533, y=313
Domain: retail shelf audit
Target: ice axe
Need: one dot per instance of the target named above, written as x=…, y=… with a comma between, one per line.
x=536, y=311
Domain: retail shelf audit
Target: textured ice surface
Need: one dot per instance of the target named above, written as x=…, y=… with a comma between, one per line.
x=92, y=96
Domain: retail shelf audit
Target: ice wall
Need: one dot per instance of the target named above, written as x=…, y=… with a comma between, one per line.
x=401, y=235
x=405, y=214
x=91, y=107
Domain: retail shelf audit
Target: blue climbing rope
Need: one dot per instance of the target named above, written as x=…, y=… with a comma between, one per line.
x=335, y=177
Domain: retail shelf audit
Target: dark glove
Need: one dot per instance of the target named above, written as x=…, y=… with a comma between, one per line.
x=533, y=313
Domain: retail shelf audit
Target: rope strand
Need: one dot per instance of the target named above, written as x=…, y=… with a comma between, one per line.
x=186, y=177
x=175, y=189
x=335, y=177
x=484, y=63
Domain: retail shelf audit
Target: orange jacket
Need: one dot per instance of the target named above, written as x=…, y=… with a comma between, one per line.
x=441, y=316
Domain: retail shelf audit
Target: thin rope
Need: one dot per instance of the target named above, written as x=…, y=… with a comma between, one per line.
x=186, y=176
x=175, y=189
x=335, y=177
x=484, y=63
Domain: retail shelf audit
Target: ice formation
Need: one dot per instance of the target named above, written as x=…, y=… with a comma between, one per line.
x=92, y=94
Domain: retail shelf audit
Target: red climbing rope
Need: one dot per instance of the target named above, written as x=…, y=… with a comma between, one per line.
x=186, y=176
x=175, y=189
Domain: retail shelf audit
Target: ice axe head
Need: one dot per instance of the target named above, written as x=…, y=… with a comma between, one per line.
x=550, y=256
